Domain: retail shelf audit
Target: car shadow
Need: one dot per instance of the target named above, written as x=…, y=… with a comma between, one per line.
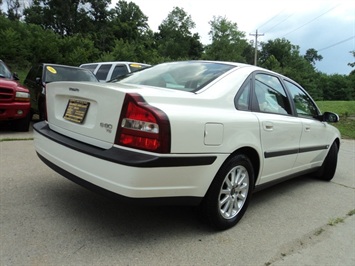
x=115, y=218
x=7, y=127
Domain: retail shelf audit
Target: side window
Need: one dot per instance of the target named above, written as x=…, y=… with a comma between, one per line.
x=103, y=71
x=31, y=76
x=241, y=101
x=39, y=73
x=119, y=70
x=270, y=95
x=303, y=103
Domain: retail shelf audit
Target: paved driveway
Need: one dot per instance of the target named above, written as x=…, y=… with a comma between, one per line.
x=48, y=220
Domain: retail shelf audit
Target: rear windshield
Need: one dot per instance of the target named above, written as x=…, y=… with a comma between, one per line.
x=91, y=67
x=186, y=76
x=63, y=73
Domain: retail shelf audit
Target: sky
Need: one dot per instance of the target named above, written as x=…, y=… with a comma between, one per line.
x=325, y=25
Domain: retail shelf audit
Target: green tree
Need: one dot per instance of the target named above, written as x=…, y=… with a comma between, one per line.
x=42, y=45
x=353, y=63
x=13, y=9
x=27, y=43
x=97, y=26
x=175, y=39
x=351, y=79
x=76, y=50
x=128, y=21
x=272, y=63
x=312, y=56
x=281, y=49
x=228, y=43
x=135, y=51
x=281, y=56
x=65, y=17
x=337, y=87
x=11, y=35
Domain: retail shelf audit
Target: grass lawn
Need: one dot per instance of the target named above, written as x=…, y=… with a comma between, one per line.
x=346, y=112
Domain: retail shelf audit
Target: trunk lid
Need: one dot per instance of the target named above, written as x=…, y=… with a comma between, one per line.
x=90, y=111
x=85, y=111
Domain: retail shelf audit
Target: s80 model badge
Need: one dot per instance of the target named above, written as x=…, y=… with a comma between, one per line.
x=106, y=126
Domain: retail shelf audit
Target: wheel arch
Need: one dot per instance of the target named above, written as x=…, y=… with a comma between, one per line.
x=213, y=206
x=254, y=157
x=337, y=141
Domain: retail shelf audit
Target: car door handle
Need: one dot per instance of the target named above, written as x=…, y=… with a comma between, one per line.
x=307, y=128
x=268, y=126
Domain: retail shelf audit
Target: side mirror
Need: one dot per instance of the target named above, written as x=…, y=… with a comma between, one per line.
x=329, y=117
x=15, y=76
x=38, y=80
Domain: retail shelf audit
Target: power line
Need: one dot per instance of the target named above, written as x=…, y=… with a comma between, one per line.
x=335, y=44
x=312, y=20
x=279, y=23
x=271, y=19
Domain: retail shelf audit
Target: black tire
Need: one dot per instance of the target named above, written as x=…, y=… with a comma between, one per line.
x=329, y=166
x=23, y=124
x=229, y=194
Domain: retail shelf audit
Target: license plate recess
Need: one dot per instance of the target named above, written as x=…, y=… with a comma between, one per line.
x=76, y=111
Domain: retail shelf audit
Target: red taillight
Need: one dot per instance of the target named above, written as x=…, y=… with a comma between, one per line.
x=143, y=126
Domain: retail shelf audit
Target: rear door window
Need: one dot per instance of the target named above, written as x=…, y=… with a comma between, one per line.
x=31, y=76
x=102, y=72
x=270, y=95
x=242, y=99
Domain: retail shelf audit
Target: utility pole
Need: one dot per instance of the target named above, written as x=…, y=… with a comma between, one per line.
x=256, y=45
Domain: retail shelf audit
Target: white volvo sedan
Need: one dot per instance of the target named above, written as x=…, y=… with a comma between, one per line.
x=195, y=132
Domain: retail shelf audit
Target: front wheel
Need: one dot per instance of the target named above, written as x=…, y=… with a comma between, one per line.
x=229, y=194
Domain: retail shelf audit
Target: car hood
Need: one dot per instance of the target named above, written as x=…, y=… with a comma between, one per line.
x=13, y=84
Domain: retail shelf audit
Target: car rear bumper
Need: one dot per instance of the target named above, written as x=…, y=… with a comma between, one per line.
x=183, y=179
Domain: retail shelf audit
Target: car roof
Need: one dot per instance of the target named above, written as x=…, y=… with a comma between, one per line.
x=58, y=65
x=116, y=62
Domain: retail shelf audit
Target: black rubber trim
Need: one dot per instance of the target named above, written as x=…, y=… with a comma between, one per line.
x=280, y=153
x=121, y=156
x=294, y=151
x=285, y=178
x=181, y=201
x=315, y=148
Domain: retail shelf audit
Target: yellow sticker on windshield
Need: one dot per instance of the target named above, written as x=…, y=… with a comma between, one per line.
x=51, y=69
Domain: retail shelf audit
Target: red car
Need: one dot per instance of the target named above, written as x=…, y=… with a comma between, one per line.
x=14, y=100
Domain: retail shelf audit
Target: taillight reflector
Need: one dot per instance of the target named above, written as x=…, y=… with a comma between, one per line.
x=143, y=126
